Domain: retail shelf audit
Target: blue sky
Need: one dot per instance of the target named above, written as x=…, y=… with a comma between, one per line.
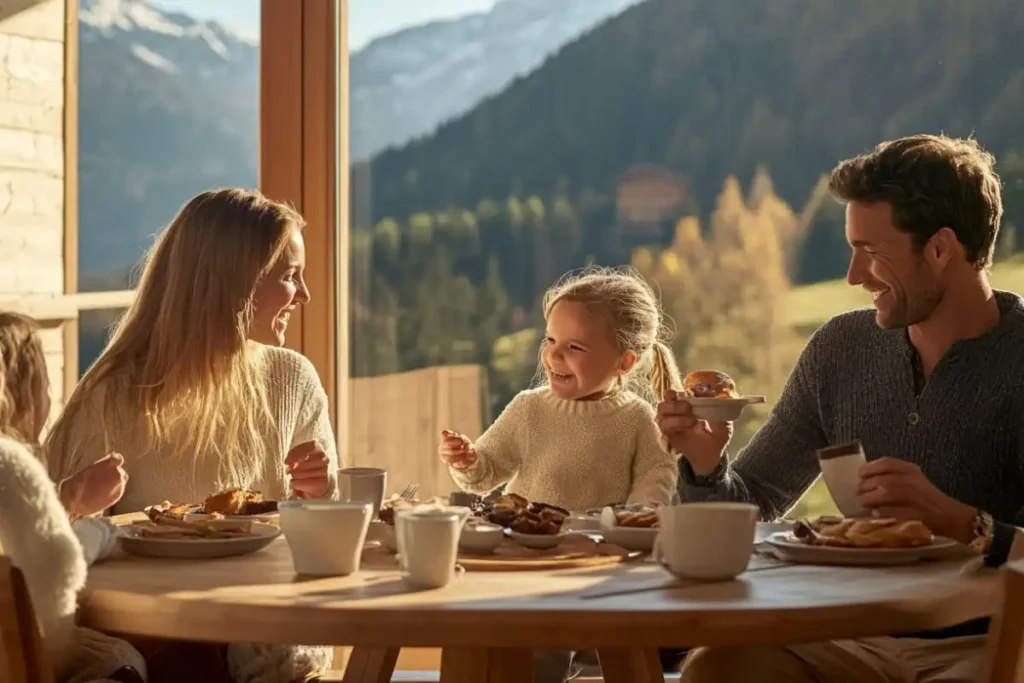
x=368, y=19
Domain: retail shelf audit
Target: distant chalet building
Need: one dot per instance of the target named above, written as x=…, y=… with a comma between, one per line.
x=649, y=201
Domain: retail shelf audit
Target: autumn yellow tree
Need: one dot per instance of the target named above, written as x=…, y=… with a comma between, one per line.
x=725, y=290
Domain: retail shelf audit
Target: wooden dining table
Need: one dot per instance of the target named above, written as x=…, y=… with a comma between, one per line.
x=488, y=623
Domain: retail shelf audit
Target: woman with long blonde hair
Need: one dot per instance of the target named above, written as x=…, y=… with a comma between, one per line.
x=194, y=388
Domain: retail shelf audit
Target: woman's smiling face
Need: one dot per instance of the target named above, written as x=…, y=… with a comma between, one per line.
x=280, y=293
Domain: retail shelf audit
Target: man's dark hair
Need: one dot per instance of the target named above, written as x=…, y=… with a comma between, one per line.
x=931, y=182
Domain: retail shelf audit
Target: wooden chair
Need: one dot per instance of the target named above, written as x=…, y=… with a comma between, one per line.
x=1004, y=661
x=22, y=655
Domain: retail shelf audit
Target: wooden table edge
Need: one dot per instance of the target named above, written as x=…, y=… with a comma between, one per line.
x=220, y=621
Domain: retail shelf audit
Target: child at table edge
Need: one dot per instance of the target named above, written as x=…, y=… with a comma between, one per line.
x=36, y=530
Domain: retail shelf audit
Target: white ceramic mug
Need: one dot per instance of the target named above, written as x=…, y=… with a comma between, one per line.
x=840, y=468
x=326, y=537
x=363, y=485
x=428, y=544
x=706, y=541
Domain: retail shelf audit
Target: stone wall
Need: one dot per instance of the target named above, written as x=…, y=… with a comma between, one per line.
x=32, y=161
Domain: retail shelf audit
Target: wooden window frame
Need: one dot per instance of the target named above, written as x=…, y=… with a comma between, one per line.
x=303, y=159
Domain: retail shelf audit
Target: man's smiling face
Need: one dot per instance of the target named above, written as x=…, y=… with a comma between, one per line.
x=886, y=263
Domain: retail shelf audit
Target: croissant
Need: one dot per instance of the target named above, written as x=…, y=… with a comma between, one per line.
x=865, y=533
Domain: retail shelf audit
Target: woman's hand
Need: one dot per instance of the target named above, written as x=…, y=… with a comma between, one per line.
x=96, y=487
x=457, y=450
x=307, y=465
x=699, y=441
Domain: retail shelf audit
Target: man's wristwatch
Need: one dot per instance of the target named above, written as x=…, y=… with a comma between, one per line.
x=983, y=531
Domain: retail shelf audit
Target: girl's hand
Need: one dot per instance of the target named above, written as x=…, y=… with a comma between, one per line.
x=308, y=466
x=96, y=487
x=457, y=450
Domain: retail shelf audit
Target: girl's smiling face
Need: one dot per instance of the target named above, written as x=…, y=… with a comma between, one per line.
x=580, y=356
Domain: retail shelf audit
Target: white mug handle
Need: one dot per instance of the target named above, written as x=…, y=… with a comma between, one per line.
x=656, y=550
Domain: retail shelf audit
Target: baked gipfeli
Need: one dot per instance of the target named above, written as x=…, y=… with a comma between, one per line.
x=865, y=533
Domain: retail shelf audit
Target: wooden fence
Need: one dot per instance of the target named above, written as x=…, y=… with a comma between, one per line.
x=395, y=422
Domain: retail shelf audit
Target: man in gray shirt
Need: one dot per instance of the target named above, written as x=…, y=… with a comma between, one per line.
x=931, y=381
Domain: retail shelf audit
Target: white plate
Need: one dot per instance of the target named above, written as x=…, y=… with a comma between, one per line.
x=538, y=541
x=721, y=409
x=197, y=549
x=790, y=550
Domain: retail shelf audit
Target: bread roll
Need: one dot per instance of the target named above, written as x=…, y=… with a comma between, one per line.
x=709, y=384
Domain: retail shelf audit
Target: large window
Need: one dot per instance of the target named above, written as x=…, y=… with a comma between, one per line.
x=168, y=107
x=493, y=145
x=494, y=151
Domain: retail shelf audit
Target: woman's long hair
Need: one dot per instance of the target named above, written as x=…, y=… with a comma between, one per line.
x=178, y=360
x=24, y=386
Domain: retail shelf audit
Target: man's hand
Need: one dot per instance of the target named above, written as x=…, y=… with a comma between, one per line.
x=890, y=487
x=95, y=488
x=699, y=441
x=307, y=464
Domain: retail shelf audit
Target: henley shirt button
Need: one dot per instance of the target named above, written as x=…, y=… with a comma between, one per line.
x=913, y=418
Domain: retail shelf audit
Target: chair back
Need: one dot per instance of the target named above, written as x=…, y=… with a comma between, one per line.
x=1004, y=661
x=23, y=657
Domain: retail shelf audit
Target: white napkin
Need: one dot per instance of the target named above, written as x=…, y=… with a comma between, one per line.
x=98, y=537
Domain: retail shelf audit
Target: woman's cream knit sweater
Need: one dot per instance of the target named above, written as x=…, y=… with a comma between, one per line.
x=574, y=454
x=299, y=410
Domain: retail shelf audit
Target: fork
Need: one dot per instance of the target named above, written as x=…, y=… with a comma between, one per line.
x=409, y=492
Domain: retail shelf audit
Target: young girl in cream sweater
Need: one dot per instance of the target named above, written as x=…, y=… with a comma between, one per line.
x=587, y=437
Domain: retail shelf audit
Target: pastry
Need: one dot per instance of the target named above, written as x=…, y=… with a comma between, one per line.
x=709, y=384
x=863, y=533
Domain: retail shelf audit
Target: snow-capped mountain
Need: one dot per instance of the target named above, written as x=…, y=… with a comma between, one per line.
x=169, y=104
x=406, y=84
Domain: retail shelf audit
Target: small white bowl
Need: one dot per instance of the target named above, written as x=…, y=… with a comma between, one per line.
x=481, y=538
x=721, y=409
x=631, y=538
x=582, y=522
x=538, y=541
x=628, y=537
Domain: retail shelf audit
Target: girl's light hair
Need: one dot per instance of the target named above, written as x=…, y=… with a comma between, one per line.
x=24, y=385
x=636, y=318
x=178, y=372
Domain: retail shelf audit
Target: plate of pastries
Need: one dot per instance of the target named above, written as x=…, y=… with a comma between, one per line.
x=866, y=541
x=235, y=504
x=531, y=524
x=713, y=396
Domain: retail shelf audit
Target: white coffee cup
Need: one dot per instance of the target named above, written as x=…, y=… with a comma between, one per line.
x=326, y=537
x=363, y=485
x=706, y=541
x=428, y=544
x=840, y=468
